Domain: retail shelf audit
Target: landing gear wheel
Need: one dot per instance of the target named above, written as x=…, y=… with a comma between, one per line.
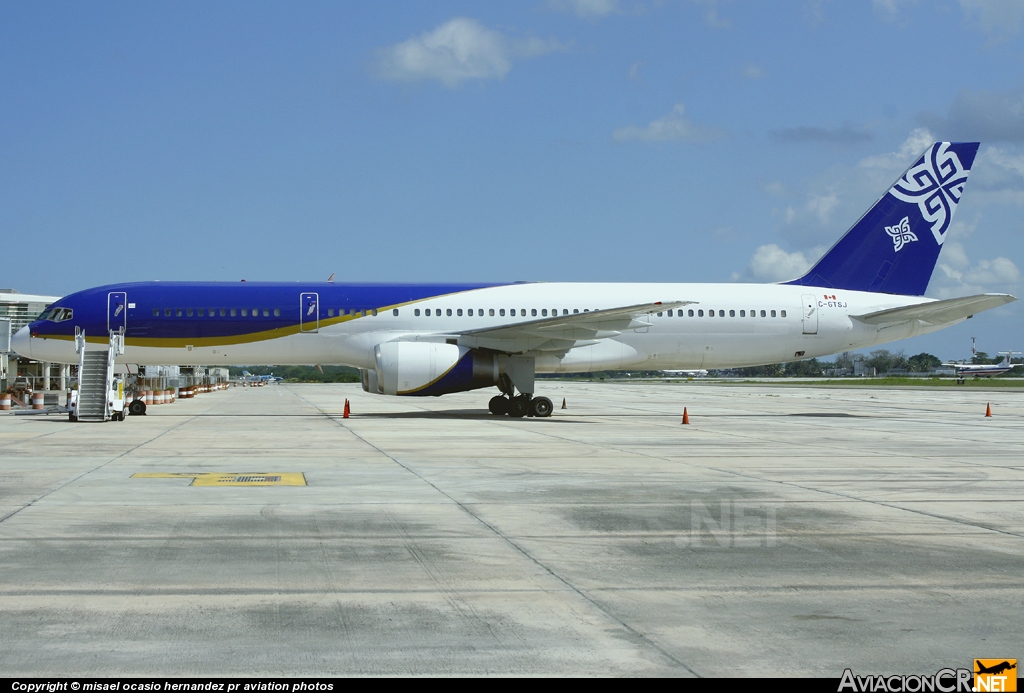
x=498, y=405
x=518, y=406
x=541, y=407
x=136, y=408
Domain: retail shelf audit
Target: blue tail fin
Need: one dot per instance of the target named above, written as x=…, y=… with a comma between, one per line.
x=893, y=248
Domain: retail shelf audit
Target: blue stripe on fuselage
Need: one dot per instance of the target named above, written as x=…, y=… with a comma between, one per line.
x=90, y=306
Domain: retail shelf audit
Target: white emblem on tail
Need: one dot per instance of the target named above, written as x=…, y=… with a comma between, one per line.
x=901, y=234
x=935, y=183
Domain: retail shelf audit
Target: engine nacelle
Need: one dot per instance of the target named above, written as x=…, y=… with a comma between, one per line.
x=429, y=369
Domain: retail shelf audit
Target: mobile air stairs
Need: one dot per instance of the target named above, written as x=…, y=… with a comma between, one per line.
x=100, y=394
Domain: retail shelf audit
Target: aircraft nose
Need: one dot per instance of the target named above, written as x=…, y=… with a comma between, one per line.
x=21, y=342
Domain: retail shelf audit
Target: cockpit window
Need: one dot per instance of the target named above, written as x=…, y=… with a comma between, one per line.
x=57, y=314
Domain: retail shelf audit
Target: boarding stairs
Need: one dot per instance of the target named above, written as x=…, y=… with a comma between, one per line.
x=96, y=375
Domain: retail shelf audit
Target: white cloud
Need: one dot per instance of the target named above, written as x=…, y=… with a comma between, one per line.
x=894, y=163
x=997, y=271
x=634, y=71
x=997, y=177
x=775, y=188
x=771, y=263
x=458, y=50
x=953, y=278
x=1000, y=19
x=588, y=9
x=890, y=8
x=752, y=71
x=674, y=127
x=711, y=17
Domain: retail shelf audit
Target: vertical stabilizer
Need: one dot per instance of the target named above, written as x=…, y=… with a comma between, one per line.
x=893, y=248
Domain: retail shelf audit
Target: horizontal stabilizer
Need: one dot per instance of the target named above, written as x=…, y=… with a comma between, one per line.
x=937, y=312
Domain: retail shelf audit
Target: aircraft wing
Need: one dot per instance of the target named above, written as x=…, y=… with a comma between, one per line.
x=563, y=332
x=937, y=312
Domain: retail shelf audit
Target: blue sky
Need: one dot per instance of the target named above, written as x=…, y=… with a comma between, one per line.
x=561, y=140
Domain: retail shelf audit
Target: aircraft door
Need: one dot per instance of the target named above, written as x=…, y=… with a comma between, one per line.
x=117, y=311
x=309, y=312
x=810, y=314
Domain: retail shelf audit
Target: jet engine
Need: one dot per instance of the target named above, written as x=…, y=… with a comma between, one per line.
x=429, y=369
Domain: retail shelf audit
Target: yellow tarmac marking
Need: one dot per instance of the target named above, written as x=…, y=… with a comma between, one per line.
x=230, y=478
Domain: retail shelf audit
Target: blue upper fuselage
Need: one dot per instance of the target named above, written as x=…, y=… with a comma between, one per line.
x=212, y=310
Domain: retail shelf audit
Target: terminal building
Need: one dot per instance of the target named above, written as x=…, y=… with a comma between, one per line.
x=16, y=311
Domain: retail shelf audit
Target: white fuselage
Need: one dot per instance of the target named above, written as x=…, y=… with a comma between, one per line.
x=753, y=324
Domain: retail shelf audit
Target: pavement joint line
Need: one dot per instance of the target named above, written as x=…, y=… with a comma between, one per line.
x=98, y=467
x=684, y=589
x=519, y=549
x=790, y=484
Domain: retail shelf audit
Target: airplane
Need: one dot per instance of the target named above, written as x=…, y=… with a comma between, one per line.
x=984, y=370
x=687, y=372
x=435, y=339
x=262, y=378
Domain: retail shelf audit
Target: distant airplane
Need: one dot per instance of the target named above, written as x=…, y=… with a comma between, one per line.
x=261, y=378
x=434, y=339
x=984, y=370
x=688, y=373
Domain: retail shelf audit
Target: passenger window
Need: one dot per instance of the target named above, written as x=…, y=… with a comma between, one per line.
x=245, y=312
x=660, y=315
x=721, y=313
x=575, y=311
x=670, y=314
x=395, y=312
x=732, y=314
x=743, y=313
x=459, y=312
x=416, y=312
x=773, y=313
x=763, y=314
x=469, y=312
x=177, y=312
x=188, y=312
x=783, y=314
x=156, y=312
x=330, y=312
x=533, y=312
x=200, y=312
x=700, y=313
x=373, y=312
x=255, y=312
x=501, y=312
x=277, y=312
x=234, y=312
x=543, y=312
x=266, y=313
x=690, y=312
x=491, y=312
x=427, y=312
x=449, y=311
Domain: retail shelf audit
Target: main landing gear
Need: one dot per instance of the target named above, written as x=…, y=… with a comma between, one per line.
x=520, y=406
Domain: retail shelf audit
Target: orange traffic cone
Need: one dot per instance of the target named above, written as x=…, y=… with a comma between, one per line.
x=988, y=409
x=347, y=411
x=686, y=417
x=563, y=403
